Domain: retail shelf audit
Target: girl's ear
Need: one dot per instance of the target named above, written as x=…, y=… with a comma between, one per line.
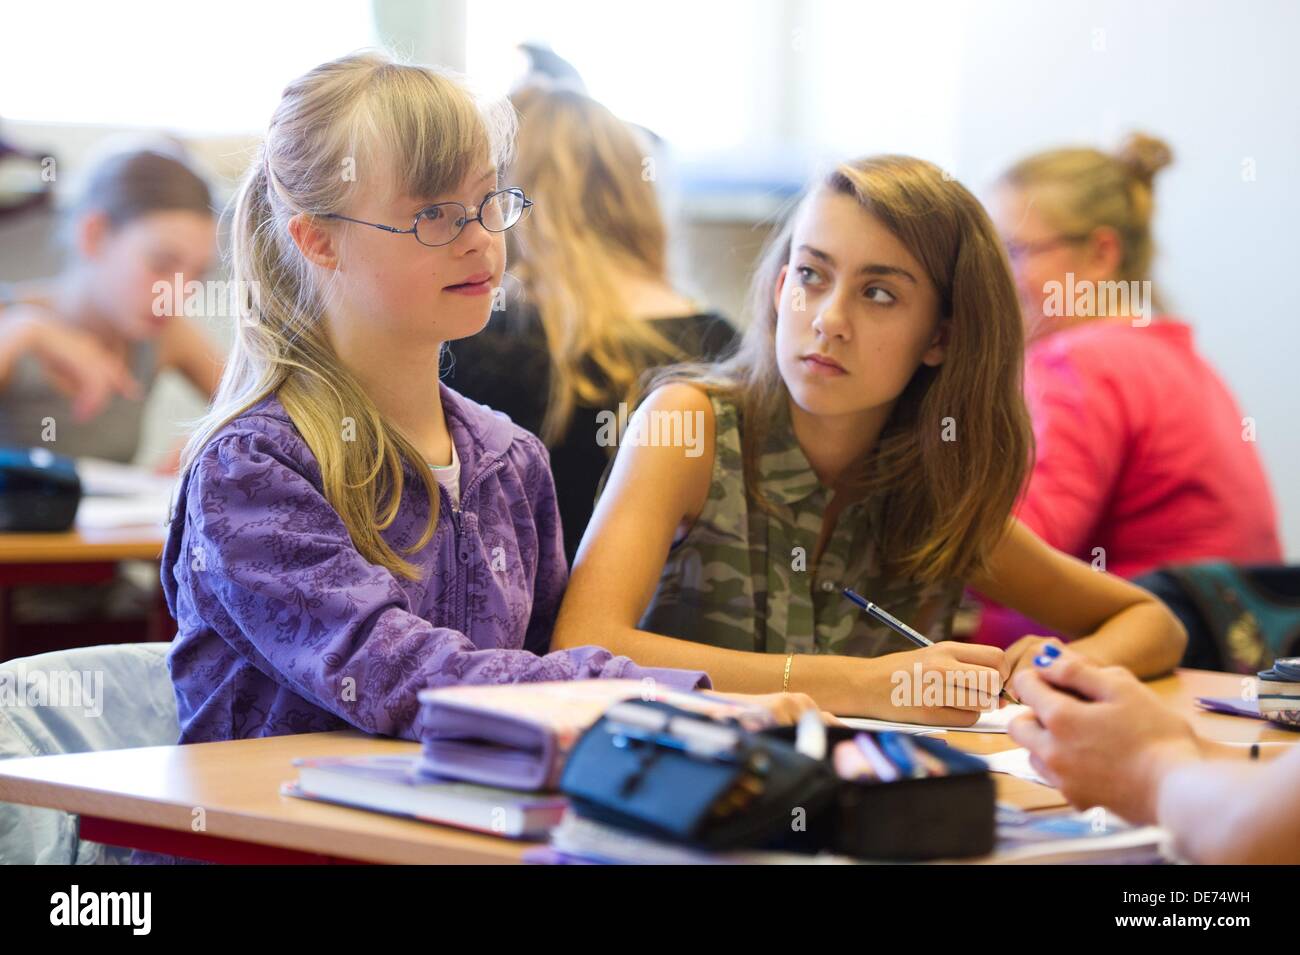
x=938, y=350
x=314, y=241
x=91, y=234
x=1104, y=253
x=780, y=286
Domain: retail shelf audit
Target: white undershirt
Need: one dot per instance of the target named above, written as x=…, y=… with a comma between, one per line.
x=448, y=475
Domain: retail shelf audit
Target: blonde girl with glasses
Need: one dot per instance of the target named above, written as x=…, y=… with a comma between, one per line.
x=348, y=530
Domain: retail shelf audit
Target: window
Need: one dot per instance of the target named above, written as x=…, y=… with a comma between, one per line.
x=187, y=67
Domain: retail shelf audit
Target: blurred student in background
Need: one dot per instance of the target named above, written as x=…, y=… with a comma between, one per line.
x=1143, y=456
x=594, y=307
x=82, y=349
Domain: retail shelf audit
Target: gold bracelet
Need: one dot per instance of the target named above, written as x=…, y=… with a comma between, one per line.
x=785, y=683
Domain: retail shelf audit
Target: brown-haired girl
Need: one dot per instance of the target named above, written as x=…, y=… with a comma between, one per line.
x=870, y=434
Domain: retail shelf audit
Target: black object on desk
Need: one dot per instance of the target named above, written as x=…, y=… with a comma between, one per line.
x=39, y=490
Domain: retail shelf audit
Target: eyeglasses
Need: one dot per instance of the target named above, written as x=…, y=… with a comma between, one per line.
x=442, y=222
x=1018, y=250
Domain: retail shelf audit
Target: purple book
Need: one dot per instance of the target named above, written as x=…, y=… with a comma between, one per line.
x=518, y=736
x=1231, y=705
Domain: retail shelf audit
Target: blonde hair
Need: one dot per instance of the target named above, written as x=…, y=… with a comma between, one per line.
x=947, y=503
x=597, y=216
x=415, y=127
x=1081, y=190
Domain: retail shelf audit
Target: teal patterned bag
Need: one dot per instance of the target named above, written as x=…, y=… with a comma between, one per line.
x=1239, y=618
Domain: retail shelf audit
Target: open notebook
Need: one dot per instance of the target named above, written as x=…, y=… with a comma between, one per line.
x=990, y=721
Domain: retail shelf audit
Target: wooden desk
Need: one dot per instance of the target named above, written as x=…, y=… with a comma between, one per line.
x=85, y=556
x=147, y=798
x=81, y=546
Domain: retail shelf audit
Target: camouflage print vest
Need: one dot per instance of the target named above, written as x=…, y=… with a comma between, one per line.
x=707, y=590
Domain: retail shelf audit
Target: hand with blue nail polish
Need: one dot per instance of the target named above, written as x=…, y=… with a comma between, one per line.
x=1030, y=652
x=1098, y=734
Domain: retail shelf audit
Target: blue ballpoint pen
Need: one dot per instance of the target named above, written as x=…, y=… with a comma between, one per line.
x=889, y=620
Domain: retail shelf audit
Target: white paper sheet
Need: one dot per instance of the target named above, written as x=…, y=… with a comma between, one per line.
x=119, y=495
x=990, y=721
x=1013, y=762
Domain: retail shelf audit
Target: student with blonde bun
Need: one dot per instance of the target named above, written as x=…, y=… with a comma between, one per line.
x=1144, y=457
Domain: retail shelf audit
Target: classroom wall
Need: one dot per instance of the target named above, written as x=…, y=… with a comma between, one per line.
x=1218, y=82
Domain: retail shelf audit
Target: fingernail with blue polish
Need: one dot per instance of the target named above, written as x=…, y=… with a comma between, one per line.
x=1052, y=650
x=1043, y=660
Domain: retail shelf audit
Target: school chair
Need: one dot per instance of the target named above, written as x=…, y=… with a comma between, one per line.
x=117, y=696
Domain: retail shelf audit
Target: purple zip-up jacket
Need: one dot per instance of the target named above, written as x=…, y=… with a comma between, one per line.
x=285, y=628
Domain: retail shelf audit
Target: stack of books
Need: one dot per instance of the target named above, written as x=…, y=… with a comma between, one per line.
x=492, y=755
x=395, y=785
x=1279, y=692
x=1023, y=837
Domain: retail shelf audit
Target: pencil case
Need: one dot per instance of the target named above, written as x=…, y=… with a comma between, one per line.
x=660, y=771
x=907, y=820
x=671, y=774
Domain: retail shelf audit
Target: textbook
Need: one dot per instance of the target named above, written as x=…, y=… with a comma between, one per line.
x=1279, y=692
x=1023, y=837
x=392, y=784
x=579, y=840
x=1093, y=837
x=518, y=735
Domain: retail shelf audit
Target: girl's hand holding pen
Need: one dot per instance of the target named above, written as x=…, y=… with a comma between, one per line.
x=960, y=689
x=947, y=683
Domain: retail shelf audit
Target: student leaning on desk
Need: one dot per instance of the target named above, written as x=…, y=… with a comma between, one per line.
x=870, y=433
x=1104, y=739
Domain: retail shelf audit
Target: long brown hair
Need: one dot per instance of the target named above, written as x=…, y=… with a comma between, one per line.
x=413, y=126
x=597, y=216
x=947, y=502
